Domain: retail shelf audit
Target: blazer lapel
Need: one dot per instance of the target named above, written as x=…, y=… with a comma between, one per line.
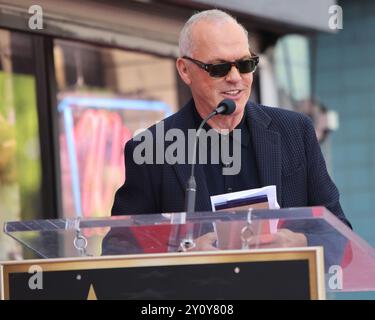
x=267, y=147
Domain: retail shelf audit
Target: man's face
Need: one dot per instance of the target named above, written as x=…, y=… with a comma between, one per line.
x=215, y=43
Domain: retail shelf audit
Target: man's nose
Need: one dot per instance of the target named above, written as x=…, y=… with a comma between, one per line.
x=233, y=74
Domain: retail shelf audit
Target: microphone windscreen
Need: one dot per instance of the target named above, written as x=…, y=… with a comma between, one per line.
x=227, y=106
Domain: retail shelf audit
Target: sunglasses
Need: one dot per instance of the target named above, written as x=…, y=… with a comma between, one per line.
x=218, y=70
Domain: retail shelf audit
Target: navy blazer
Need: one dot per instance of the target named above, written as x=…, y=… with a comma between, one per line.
x=287, y=154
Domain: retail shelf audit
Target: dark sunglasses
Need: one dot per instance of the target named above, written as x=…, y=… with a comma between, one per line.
x=218, y=70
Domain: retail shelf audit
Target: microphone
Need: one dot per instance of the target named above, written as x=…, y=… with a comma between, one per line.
x=225, y=107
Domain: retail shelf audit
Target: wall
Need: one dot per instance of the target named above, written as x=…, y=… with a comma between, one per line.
x=345, y=82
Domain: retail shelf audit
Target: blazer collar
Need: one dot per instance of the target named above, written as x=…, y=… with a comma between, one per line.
x=267, y=147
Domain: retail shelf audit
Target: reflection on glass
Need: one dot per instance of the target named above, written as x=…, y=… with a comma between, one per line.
x=104, y=96
x=349, y=262
x=20, y=168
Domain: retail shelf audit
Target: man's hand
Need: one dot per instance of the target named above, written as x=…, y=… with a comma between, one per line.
x=283, y=238
x=205, y=242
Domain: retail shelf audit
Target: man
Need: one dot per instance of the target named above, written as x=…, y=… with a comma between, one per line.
x=319, y=116
x=278, y=147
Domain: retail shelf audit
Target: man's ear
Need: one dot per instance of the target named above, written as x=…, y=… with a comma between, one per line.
x=183, y=70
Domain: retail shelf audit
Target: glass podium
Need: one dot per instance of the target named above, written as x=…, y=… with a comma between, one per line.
x=349, y=262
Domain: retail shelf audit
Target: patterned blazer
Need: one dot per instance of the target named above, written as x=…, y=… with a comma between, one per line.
x=287, y=155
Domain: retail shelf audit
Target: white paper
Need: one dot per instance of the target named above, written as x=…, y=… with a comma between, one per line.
x=269, y=191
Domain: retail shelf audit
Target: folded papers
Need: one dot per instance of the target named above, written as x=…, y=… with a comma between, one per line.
x=229, y=232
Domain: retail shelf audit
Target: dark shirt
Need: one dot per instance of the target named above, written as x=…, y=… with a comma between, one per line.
x=247, y=178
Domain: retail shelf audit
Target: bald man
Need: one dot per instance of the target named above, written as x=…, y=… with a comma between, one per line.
x=276, y=146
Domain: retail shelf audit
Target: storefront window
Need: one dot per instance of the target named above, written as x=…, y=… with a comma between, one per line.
x=292, y=68
x=20, y=164
x=104, y=96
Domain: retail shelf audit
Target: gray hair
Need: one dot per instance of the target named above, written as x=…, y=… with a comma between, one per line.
x=214, y=15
